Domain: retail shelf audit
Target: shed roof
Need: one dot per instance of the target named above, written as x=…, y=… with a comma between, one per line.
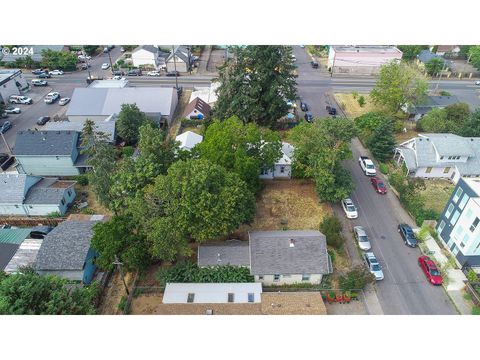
x=66, y=246
x=6, y=253
x=48, y=191
x=199, y=105
x=425, y=56
x=234, y=253
x=60, y=143
x=25, y=255
x=211, y=293
x=271, y=252
x=188, y=140
x=14, y=236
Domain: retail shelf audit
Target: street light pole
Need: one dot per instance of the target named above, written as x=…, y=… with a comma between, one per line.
x=440, y=77
x=110, y=58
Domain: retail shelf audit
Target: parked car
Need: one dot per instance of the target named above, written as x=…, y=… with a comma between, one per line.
x=43, y=120
x=84, y=66
x=331, y=110
x=314, y=64
x=118, y=73
x=362, y=238
x=408, y=235
x=153, y=73
x=12, y=110
x=303, y=106
x=477, y=82
x=4, y=127
x=19, y=99
x=373, y=265
x=134, y=72
x=106, y=50
x=122, y=49
x=64, y=101
x=118, y=77
x=173, y=73
x=3, y=115
x=84, y=57
x=430, y=270
x=105, y=66
x=6, y=161
x=38, y=82
x=308, y=116
x=379, y=185
x=44, y=75
x=367, y=166
x=349, y=209
x=56, y=72
x=50, y=98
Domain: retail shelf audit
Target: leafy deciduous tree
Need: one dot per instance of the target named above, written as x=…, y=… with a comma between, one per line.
x=434, y=66
x=410, y=52
x=129, y=121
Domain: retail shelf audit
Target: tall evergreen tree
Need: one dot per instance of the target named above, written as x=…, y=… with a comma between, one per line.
x=382, y=141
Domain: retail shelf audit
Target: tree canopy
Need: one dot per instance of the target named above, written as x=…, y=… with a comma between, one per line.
x=256, y=84
x=399, y=84
x=382, y=141
x=410, y=52
x=447, y=120
x=320, y=147
x=434, y=66
x=242, y=148
x=471, y=126
x=66, y=61
x=474, y=55
x=27, y=293
x=129, y=121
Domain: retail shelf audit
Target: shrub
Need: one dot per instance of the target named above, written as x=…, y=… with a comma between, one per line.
x=128, y=151
x=87, y=211
x=343, y=105
x=445, y=93
x=476, y=310
x=383, y=168
x=361, y=101
x=422, y=214
x=472, y=276
x=82, y=179
x=122, y=303
x=357, y=278
x=355, y=94
x=331, y=228
x=54, y=214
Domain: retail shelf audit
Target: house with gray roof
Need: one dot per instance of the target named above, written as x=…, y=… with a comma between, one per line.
x=66, y=251
x=445, y=156
x=28, y=195
x=97, y=104
x=146, y=56
x=275, y=257
x=49, y=153
x=179, y=59
x=416, y=112
x=106, y=126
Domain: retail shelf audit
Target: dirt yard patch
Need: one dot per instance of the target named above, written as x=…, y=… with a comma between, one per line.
x=85, y=194
x=283, y=204
x=436, y=194
x=114, y=293
x=351, y=106
x=411, y=132
x=182, y=103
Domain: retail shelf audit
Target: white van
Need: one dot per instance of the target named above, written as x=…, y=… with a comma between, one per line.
x=19, y=99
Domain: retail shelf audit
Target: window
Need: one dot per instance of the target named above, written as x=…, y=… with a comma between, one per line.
x=190, y=297
x=441, y=226
x=441, y=157
x=231, y=297
x=276, y=277
x=69, y=192
x=17, y=206
x=449, y=211
x=62, y=201
x=429, y=170
x=251, y=297
x=474, y=224
x=455, y=217
x=463, y=202
x=282, y=169
x=465, y=239
x=457, y=195
x=446, y=170
x=305, y=277
x=260, y=277
x=469, y=213
x=449, y=158
x=30, y=206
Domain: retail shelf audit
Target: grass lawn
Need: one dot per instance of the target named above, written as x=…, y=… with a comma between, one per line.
x=436, y=194
x=411, y=132
x=352, y=108
x=289, y=204
x=195, y=129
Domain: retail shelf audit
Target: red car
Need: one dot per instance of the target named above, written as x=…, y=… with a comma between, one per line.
x=379, y=185
x=430, y=270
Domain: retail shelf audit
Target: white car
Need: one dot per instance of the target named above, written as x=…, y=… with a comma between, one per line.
x=12, y=110
x=64, y=101
x=153, y=73
x=362, y=238
x=373, y=265
x=105, y=66
x=50, y=98
x=349, y=209
x=84, y=57
x=56, y=72
x=477, y=82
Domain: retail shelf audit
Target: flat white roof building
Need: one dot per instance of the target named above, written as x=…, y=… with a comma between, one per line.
x=212, y=293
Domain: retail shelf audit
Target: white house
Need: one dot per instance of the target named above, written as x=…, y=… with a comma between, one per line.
x=145, y=55
x=207, y=94
x=283, y=166
x=446, y=156
x=27, y=195
x=188, y=140
x=459, y=224
x=179, y=59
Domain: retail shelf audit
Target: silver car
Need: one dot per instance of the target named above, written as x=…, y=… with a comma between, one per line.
x=373, y=265
x=362, y=238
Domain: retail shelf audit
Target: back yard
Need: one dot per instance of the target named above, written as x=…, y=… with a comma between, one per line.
x=350, y=104
x=436, y=194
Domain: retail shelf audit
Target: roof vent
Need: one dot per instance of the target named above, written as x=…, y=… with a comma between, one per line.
x=292, y=243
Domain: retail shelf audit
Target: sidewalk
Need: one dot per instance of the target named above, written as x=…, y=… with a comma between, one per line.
x=456, y=278
x=203, y=60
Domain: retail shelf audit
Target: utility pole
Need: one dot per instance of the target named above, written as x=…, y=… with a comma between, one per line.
x=440, y=77
x=175, y=66
x=333, y=65
x=86, y=62
x=119, y=266
x=110, y=58
x=189, y=58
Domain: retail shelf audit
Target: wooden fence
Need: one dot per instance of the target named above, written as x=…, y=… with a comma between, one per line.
x=470, y=287
x=31, y=222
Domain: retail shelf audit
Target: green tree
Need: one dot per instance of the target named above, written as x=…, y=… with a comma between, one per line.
x=410, y=52
x=361, y=101
x=471, y=126
x=356, y=279
x=130, y=119
x=320, y=147
x=368, y=122
x=121, y=237
x=59, y=60
x=27, y=293
x=331, y=227
x=103, y=166
x=382, y=141
x=399, y=84
x=196, y=200
x=243, y=149
x=90, y=49
x=256, y=84
x=448, y=120
x=458, y=113
x=91, y=137
x=434, y=66
x=474, y=55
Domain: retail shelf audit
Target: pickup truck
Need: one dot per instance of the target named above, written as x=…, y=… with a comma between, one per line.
x=367, y=166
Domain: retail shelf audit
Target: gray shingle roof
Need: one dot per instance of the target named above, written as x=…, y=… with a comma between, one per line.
x=271, y=253
x=181, y=52
x=66, y=246
x=230, y=253
x=43, y=193
x=14, y=187
x=425, y=56
x=40, y=143
x=6, y=254
x=150, y=48
x=107, y=127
